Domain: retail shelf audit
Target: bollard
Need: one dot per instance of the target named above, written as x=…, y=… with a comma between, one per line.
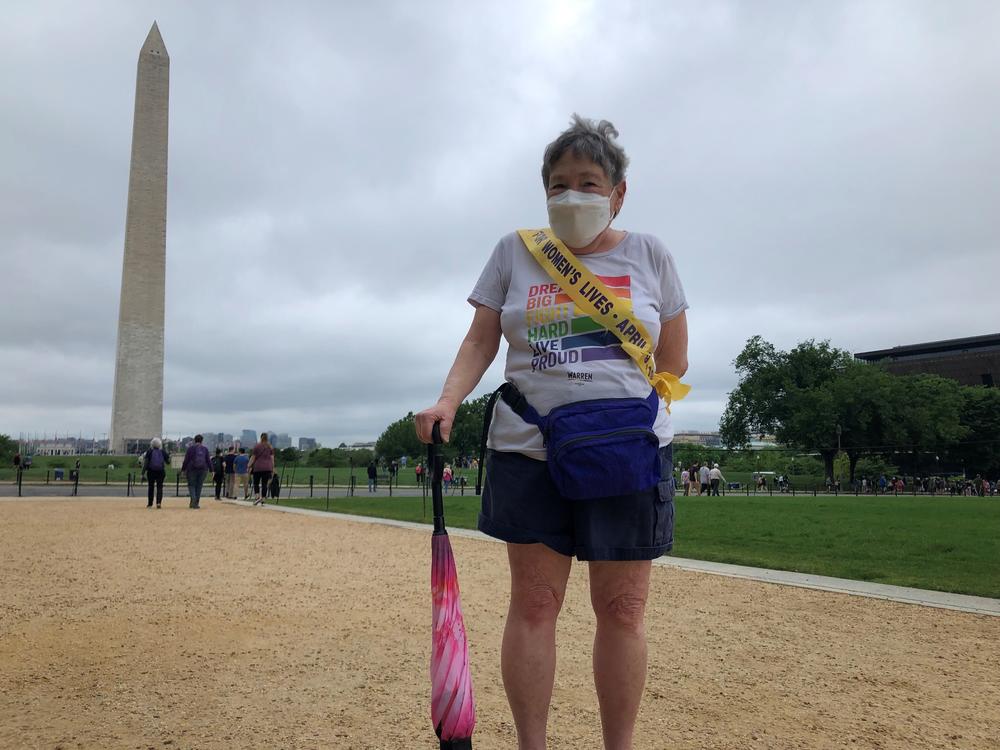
x=329, y=471
x=310, y=485
x=390, y=484
x=19, y=481
x=105, y=477
x=46, y=476
x=177, y=488
x=128, y=485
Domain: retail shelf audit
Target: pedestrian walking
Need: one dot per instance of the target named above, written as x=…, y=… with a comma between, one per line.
x=703, y=477
x=261, y=468
x=372, y=476
x=241, y=465
x=230, y=461
x=685, y=477
x=155, y=462
x=716, y=478
x=197, y=463
x=447, y=476
x=218, y=472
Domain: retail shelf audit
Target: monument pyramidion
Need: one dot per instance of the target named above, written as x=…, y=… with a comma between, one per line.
x=137, y=405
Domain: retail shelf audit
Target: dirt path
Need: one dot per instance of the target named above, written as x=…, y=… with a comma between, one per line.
x=242, y=628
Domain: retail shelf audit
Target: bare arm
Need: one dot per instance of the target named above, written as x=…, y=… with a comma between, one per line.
x=672, y=348
x=475, y=355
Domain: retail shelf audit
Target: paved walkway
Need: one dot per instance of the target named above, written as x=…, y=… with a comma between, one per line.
x=963, y=603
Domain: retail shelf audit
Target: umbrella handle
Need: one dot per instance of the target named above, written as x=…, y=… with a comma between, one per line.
x=435, y=462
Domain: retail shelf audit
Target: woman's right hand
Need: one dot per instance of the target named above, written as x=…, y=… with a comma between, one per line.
x=442, y=412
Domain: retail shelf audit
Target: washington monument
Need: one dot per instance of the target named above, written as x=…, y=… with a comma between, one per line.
x=137, y=406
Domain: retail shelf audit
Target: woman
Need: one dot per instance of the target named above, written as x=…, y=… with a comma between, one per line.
x=558, y=356
x=261, y=468
x=155, y=462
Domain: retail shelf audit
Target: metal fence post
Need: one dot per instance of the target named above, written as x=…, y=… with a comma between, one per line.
x=329, y=471
x=310, y=485
x=19, y=472
x=76, y=483
x=177, y=488
x=105, y=477
x=46, y=476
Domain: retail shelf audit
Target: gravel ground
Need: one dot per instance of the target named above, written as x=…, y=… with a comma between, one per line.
x=122, y=627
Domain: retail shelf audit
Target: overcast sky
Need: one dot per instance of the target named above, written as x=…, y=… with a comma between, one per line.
x=339, y=173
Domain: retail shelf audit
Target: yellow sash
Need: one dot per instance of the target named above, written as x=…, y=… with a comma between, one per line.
x=614, y=313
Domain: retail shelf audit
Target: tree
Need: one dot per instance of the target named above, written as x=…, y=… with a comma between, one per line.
x=399, y=439
x=289, y=455
x=805, y=395
x=979, y=451
x=8, y=447
x=925, y=419
x=467, y=431
x=788, y=394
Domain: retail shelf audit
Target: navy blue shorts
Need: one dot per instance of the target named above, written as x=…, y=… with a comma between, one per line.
x=522, y=506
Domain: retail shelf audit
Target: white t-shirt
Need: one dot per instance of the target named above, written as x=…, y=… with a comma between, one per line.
x=557, y=353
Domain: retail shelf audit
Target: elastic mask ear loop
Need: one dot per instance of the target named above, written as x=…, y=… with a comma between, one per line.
x=615, y=214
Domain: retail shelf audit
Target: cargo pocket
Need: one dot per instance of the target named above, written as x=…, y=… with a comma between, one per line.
x=663, y=505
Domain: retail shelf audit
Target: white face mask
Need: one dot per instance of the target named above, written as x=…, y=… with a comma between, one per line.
x=577, y=218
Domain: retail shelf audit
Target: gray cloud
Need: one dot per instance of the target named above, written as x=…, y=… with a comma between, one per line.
x=338, y=176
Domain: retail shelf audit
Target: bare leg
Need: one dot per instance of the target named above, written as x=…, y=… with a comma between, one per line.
x=538, y=578
x=618, y=592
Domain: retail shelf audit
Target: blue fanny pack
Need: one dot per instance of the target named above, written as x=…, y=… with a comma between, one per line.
x=598, y=448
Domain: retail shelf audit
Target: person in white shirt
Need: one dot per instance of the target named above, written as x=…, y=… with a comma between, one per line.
x=685, y=478
x=703, y=477
x=715, y=476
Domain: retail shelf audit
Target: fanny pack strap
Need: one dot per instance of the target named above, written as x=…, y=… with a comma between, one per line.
x=520, y=406
x=604, y=307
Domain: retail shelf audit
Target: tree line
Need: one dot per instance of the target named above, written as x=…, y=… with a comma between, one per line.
x=817, y=398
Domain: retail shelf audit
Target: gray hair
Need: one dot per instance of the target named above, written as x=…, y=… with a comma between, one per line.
x=590, y=140
x=155, y=443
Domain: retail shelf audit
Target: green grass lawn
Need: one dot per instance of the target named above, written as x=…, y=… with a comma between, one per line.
x=943, y=543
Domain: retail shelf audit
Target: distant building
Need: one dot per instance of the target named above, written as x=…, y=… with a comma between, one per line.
x=694, y=437
x=280, y=440
x=361, y=446
x=307, y=444
x=248, y=438
x=54, y=448
x=970, y=361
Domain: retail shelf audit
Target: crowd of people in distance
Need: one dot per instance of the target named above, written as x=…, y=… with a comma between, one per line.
x=699, y=479
x=234, y=473
x=954, y=486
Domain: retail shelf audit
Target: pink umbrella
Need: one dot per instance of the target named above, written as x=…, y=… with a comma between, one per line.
x=453, y=710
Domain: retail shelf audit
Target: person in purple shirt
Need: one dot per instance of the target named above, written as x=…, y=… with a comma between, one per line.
x=197, y=462
x=261, y=468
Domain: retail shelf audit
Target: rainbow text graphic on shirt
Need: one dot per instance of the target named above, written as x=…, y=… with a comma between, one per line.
x=560, y=333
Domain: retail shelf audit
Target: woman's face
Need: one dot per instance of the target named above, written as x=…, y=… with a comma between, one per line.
x=578, y=173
